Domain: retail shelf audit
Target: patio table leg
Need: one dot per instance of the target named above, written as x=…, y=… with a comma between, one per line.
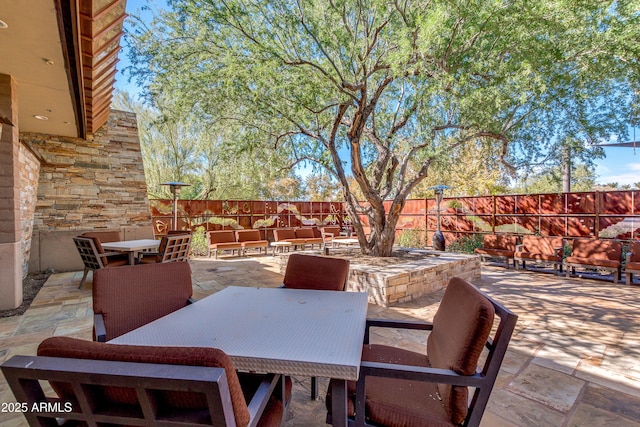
x=339, y=403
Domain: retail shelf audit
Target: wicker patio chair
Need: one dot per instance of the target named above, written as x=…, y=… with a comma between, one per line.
x=173, y=248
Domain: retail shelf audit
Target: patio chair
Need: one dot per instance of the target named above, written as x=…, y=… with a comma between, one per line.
x=316, y=272
x=173, y=248
x=129, y=297
x=140, y=385
x=251, y=239
x=222, y=240
x=632, y=266
x=95, y=258
x=401, y=387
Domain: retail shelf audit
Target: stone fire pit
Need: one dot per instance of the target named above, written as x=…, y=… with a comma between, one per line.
x=402, y=278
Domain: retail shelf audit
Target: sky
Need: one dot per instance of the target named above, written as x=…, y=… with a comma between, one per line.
x=621, y=164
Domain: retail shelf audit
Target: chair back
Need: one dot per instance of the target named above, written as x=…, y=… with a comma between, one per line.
x=283, y=234
x=597, y=249
x=104, y=236
x=498, y=241
x=221, y=236
x=541, y=244
x=194, y=386
x=316, y=272
x=131, y=296
x=634, y=251
x=248, y=235
x=333, y=230
x=461, y=330
x=174, y=248
x=88, y=251
x=304, y=233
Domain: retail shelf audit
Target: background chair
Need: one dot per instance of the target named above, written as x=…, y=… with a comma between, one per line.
x=95, y=258
x=399, y=387
x=223, y=240
x=179, y=386
x=129, y=297
x=172, y=248
x=316, y=272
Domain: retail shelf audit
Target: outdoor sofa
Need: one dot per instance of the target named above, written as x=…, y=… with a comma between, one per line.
x=498, y=246
x=540, y=248
x=600, y=254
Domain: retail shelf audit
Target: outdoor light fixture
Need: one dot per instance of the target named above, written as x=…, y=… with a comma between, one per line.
x=438, y=237
x=175, y=188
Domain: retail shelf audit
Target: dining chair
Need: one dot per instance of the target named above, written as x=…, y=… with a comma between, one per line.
x=316, y=272
x=398, y=387
x=129, y=297
x=172, y=248
x=140, y=385
x=95, y=258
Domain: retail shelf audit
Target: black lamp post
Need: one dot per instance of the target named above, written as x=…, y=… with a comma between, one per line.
x=438, y=237
x=175, y=188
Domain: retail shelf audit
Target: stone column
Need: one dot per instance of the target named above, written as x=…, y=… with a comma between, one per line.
x=10, y=236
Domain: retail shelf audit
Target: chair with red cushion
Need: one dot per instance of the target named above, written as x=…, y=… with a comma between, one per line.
x=129, y=297
x=141, y=385
x=398, y=387
x=319, y=273
x=95, y=258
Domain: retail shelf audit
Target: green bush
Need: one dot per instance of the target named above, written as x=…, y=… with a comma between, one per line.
x=412, y=238
x=466, y=244
x=199, y=244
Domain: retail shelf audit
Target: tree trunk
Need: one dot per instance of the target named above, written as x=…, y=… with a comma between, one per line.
x=382, y=231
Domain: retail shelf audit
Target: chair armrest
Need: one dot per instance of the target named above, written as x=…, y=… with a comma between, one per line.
x=519, y=248
x=99, y=331
x=419, y=373
x=397, y=324
x=628, y=257
x=261, y=397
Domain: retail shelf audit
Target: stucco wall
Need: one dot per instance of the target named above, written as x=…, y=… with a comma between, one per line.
x=86, y=185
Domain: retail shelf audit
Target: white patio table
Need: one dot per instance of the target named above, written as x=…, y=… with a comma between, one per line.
x=132, y=247
x=272, y=330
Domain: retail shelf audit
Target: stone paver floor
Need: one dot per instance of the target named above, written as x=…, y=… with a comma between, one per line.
x=574, y=359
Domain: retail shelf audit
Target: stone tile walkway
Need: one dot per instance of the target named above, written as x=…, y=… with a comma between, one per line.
x=574, y=359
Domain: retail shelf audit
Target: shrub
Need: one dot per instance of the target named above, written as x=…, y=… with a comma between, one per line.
x=199, y=244
x=411, y=238
x=466, y=244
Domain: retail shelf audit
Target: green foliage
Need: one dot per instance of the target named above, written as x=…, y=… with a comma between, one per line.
x=199, y=245
x=466, y=244
x=378, y=92
x=412, y=238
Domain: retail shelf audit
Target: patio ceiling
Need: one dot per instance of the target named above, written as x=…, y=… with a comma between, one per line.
x=62, y=55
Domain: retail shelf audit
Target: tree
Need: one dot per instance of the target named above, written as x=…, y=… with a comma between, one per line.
x=389, y=82
x=550, y=180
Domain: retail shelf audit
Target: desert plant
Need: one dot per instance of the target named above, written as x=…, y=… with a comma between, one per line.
x=466, y=244
x=199, y=244
x=412, y=238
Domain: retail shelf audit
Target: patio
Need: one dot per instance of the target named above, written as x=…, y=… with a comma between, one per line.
x=572, y=361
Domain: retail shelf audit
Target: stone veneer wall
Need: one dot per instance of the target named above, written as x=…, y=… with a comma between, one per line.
x=29, y=174
x=98, y=183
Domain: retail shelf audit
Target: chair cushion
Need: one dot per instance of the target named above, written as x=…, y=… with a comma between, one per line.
x=192, y=356
x=633, y=266
x=494, y=252
x=461, y=327
x=596, y=262
x=283, y=234
x=541, y=245
x=131, y=296
x=597, y=249
x=316, y=272
x=634, y=249
x=222, y=236
x=304, y=233
x=394, y=402
x=248, y=235
x=537, y=256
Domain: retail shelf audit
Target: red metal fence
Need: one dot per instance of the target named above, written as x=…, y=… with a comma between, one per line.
x=610, y=214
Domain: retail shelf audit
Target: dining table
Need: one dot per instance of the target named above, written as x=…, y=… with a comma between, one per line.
x=272, y=330
x=132, y=247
